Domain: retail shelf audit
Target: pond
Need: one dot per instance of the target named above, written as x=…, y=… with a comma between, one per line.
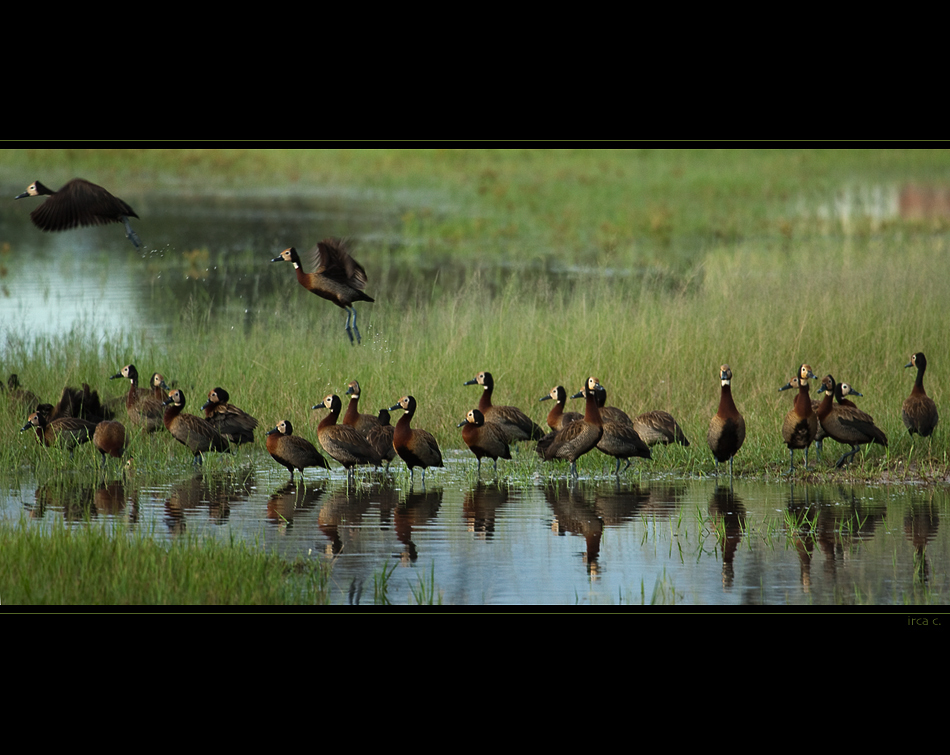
x=672, y=542
x=645, y=539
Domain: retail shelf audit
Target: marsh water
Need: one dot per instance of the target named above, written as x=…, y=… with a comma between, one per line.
x=698, y=541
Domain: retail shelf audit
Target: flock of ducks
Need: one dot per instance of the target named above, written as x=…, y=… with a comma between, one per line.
x=489, y=430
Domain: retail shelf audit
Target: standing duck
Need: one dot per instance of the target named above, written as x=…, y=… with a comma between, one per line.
x=846, y=424
x=362, y=422
x=79, y=203
x=337, y=277
x=235, y=424
x=514, y=423
x=919, y=411
x=199, y=435
x=110, y=438
x=577, y=438
x=344, y=442
x=727, y=427
x=843, y=391
x=801, y=423
x=418, y=448
x=144, y=407
x=291, y=450
x=653, y=427
x=557, y=417
x=380, y=437
x=484, y=439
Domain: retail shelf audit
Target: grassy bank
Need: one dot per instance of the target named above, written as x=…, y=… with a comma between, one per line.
x=94, y=565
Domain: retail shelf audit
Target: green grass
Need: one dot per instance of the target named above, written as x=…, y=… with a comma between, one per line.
x=96, y=565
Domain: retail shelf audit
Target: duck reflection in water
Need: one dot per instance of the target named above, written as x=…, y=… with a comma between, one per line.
x=417, y=510
x=290, y=499
x=728, y=520
x=480, y=508
x=574, y=514
x=216, y=490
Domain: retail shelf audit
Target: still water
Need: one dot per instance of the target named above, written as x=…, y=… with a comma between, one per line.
x=668, y=541
x=673, y=542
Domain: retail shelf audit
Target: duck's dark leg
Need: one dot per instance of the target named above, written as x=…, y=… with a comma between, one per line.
x=791, y=461
x=818, y=450
x=130, y=234
x=849, y=455
x=351, y=319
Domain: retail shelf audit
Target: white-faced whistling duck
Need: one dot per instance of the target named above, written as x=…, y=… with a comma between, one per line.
x=67, y=431
x=418, y=448
x=79, y=203
x=557, y=417
x=515, y=423
x=577, y=438
x=146, y=410
x=233, y=423
x=380, y=437
x=159, y=388
x=199, y=435
x=110, y=438
x=362, y=422
x=344, y=442
x=24, y=399
x=801, y=423
x=919, y=411
x=291, y=450
x=653, y=427
x=620, y=438
x=337, y=277
x=484, y=439
x=846, y=424
x=843, y=391
x=727, y=427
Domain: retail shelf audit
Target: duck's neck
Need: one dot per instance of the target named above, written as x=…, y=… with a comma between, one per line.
x=330, y=419
x=485, y=401
x=352, y=410
x=919, y=382
x=591, y=410
x=802, y=401
x=171, y=413
x=726, y=404
x=824, y=409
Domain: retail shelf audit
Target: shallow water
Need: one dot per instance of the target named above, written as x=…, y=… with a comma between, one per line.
x=663, y=541
x=646, y=539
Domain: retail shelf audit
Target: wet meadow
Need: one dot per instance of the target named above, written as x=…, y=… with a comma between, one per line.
x=645, y=268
